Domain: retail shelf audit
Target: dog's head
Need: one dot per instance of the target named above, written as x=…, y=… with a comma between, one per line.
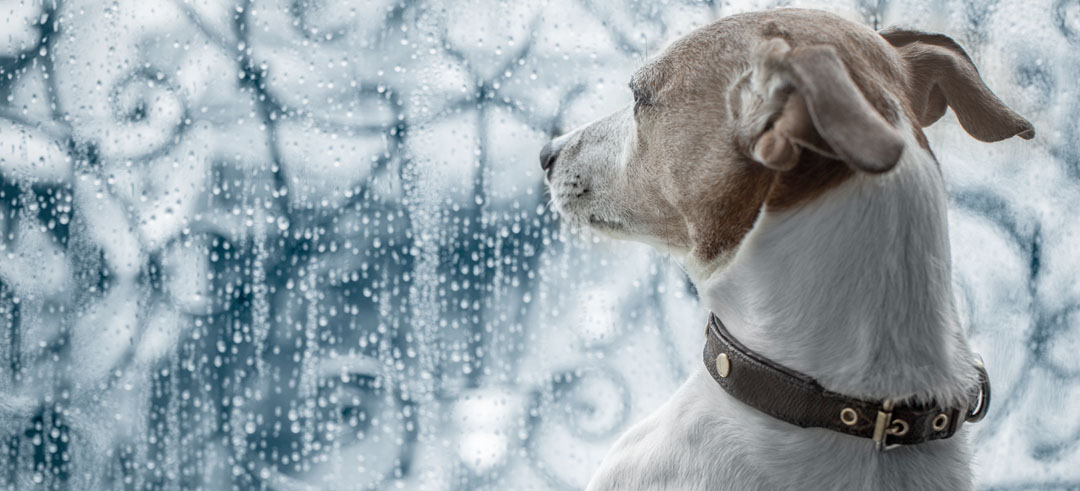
x=761, y=111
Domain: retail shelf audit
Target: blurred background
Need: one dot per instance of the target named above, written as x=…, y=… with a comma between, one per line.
x=305, y=244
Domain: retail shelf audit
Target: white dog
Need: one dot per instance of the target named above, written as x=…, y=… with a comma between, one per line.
x=779, y=156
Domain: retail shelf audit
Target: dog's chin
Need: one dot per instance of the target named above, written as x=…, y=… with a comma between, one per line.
x=604, y=226
x=613, y=228
x=607, y=226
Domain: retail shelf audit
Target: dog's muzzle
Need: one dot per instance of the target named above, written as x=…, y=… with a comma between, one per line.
x=796, y=398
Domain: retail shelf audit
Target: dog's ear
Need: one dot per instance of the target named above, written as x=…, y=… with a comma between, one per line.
x=804, y=98
x=940, y=73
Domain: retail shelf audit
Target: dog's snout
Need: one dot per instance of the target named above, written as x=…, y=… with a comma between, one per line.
x=548, y=155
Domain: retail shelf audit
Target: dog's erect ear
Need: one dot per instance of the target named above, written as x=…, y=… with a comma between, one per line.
x=804, y=98
x=940, y=73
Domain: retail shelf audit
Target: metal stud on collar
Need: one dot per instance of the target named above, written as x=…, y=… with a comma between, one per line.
x=723, y=365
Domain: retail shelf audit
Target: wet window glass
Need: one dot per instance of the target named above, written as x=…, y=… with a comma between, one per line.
x=306, y=244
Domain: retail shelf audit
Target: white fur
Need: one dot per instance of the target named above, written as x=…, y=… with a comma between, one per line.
x=853, y=289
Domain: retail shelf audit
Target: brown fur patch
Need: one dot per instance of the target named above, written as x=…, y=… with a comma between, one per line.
x=812, y=177
x=721, y=219
x=729, y=214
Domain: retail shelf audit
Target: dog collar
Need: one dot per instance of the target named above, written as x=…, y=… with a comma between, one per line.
x=798, y=399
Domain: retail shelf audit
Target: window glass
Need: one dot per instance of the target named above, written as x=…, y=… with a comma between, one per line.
x=306, y=244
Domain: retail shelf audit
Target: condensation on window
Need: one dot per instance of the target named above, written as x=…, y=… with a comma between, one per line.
x=306, y=244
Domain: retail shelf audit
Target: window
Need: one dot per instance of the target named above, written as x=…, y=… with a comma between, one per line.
x=307, y=244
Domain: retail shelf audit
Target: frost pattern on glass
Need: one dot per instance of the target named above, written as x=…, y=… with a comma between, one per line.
x=306, y=245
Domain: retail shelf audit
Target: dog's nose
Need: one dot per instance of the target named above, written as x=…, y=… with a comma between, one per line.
x=548, y=154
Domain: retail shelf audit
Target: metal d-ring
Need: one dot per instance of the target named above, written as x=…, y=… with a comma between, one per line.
x=978, y=412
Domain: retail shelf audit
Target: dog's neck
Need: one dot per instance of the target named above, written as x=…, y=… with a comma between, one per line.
x=853, y=288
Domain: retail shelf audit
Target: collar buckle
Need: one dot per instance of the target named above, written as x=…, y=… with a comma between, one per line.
x=885, y=425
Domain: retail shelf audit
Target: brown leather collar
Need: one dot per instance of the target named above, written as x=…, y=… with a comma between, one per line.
x=791, y=396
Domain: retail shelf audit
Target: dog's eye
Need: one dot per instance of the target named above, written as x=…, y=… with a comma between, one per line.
x=640, y=98
x=636, y=92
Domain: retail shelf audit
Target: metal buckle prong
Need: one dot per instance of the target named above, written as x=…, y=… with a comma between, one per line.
x=882, y=426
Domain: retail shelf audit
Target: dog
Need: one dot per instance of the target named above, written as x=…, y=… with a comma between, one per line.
x=779, y=157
